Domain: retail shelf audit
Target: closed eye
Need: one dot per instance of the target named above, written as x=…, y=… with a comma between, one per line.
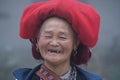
x=62, y=38
x=47, y=37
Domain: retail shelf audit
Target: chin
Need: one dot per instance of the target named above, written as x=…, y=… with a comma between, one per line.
x=54, y=61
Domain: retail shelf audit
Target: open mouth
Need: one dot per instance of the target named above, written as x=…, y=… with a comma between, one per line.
x=54, y=51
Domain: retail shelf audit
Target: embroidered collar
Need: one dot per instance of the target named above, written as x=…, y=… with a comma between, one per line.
x=45, y=74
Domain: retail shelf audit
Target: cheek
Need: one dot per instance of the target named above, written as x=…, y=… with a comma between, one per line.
x=68, y=46
x=42, y=43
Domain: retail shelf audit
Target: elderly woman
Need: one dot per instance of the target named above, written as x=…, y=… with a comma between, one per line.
x=61, y=33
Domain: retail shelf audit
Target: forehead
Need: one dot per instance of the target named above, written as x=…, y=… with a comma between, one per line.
x=57, y=25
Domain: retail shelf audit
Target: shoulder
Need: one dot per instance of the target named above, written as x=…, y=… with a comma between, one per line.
x=21, y=73
x=88, y=75
x=25, y=73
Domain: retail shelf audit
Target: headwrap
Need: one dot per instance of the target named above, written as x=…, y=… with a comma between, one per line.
x=83, y=18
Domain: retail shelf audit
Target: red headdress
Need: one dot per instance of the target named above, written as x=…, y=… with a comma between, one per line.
x=84, y=20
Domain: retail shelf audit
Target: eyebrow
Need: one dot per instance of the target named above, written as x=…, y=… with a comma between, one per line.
x=45, y=31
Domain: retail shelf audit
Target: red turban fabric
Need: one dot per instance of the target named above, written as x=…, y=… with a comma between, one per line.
x=84, y=19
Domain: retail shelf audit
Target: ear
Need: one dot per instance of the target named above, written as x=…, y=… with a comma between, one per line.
x=37, y=44
x=76, y=44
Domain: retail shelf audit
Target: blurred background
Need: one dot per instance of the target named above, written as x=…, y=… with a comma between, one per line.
x=16, y=52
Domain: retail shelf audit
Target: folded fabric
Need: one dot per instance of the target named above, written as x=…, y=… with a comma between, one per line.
x=83, y=18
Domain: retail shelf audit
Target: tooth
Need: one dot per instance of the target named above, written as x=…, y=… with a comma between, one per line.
x=48, y=50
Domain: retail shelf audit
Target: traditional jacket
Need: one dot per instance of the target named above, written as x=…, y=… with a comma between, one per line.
x=29, y=74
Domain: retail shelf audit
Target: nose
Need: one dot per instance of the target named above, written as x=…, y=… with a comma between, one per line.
x=54, y=42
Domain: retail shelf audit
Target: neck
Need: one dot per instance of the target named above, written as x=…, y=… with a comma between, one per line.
x=59, y=69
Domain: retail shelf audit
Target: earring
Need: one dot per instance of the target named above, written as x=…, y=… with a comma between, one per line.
x=37, y=48
x=75, y=52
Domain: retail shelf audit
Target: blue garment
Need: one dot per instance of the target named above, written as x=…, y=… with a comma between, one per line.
x=29, y=74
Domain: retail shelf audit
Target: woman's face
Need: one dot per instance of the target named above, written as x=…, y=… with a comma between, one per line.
x=55, y=41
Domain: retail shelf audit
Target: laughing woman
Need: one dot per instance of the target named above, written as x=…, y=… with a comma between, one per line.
x=61, y=33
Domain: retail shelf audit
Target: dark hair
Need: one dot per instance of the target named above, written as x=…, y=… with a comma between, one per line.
x=82, y=55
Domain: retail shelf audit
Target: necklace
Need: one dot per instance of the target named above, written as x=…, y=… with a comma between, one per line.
x=70, y=75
